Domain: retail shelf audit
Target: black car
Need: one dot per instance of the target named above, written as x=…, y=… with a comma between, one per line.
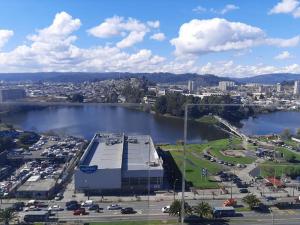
x=72, y=202
x=95, y=207
x=73, y=206
x=18, y=206
x=127, y=210
x=244, y=190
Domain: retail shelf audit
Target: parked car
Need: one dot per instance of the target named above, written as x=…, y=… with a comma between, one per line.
x=55, y=208
x=94, y=207
x=114, y=207
x=165, y=209
x=127, y=210
x=80, y=211
x=244, y=190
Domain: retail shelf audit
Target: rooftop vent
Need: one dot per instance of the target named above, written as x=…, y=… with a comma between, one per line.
x=152, y=164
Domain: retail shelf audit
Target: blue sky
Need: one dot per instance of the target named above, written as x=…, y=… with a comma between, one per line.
x=226, y=38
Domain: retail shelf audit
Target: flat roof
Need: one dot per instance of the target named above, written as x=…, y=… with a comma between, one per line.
x=40, y=185
x=118, y=151
x=141, y=154
x=105, y=151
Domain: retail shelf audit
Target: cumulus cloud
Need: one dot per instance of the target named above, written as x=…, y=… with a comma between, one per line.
x=217, y=35
x=228, y=8
x=153, y=24
x=287, y=7
x=229, y=68
x=200, y=9
x=284, y=55
x=5, y=35
x=158, y=37
x=132, y=30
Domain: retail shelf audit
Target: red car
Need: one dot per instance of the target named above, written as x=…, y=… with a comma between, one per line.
x=80, y=211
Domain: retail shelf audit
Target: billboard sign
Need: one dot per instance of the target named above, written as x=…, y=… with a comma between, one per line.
x=88, y=169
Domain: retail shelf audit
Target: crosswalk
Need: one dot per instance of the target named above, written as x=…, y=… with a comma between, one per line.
x=277, y=211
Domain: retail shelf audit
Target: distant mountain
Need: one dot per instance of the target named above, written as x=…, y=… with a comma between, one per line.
x=163, y=78
x=270, y=78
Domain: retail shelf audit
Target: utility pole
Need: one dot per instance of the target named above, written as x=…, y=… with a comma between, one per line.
x=174, y=188
x=183, y=165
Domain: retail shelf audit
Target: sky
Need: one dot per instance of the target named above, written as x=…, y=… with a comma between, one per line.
x=235, y=38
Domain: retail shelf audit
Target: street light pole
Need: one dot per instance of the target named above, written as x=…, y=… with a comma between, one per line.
x=174, y=188
x=183, y=165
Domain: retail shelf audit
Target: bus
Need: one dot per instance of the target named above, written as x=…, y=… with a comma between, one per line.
x=223, y=212
x=36, y=216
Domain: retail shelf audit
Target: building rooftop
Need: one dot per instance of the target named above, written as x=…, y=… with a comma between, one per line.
x=140, y=154
x=39, y=185
x=105, y=151
x=112, y=151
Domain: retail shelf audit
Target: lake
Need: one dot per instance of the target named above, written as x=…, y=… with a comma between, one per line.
x=85, y=120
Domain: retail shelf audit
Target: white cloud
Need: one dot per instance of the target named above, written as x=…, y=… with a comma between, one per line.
x=228, y=8
x=217, y=35
x=158, y=37
x=5, y=35
x=287, y=7
x=229, y=68
x=199, y=9
x=284, y=55
x=132, y=30
x=153, y=24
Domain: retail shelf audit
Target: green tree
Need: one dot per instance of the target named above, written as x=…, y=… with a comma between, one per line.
x=203, y=209
x=6, y=143
x=175, y=209
x=251, y=200
x=7, y=215
x=76, y=98
x=298, y=133
x=286, y=134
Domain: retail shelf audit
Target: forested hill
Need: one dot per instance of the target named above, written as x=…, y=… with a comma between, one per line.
x=203, y=80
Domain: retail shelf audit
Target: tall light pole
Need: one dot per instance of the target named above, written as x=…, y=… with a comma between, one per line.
x=174, y=188
x=183, y=164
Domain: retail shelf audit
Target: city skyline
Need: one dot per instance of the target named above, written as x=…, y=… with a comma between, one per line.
x=225, y=38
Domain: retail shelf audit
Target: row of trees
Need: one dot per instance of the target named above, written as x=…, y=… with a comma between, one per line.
x=204, y=210
x=173, y=104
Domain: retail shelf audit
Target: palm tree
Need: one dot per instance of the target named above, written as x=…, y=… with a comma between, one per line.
x=175, y=208
x=7, y=215
x=251, y=200
x=203, y=209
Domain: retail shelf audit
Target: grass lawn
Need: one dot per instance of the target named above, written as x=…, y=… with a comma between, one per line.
x=286, y=152
x=277, y=169
x=217, y=146
x=148, y=222
x=195, y=162
x=207, y=119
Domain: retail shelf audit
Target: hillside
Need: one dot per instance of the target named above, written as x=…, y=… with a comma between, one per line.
x=270, y=78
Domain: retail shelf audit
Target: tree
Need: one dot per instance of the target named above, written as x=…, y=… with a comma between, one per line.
x=175, y=209
x=298, y=133
x=251, y=200
x=286, y=134
x=76, y=98
x=6, y=143
x=203, y=209
x=7, y=215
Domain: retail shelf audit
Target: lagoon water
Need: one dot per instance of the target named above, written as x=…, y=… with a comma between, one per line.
x=85, y=120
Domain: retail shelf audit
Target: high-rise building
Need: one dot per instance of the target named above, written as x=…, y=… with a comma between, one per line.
x=191, y=86
x=12, y=94
x=226, y=85
x=297, y=87
x=279, y=87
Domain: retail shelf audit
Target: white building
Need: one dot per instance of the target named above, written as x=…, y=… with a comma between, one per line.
x=297, y=87
x=279, y=87
x=116, y=163
x=191, y=86
x=226, y=85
